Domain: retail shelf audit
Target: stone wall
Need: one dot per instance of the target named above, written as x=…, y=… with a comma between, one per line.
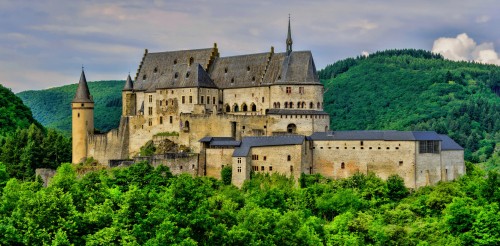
x=216, y=159
x=113, y=145
x=46, y=174
x=453, y=164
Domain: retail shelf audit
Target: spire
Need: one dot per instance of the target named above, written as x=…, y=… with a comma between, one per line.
x=82, y=93
x=289, y=41
x=129, y=85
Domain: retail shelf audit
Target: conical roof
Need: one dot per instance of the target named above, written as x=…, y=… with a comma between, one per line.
x=129, y=85
x=82, y=93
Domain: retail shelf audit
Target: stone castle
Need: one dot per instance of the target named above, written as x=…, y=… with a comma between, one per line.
x=258, y=113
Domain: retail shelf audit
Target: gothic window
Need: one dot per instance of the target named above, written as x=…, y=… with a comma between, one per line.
x=186, y=125
x=155, y=70
x=244, y=107
x=254, y=108
x=270, y=168
x=236, y=108
x=303, y=104
x=286, y=104
x=311, y=105
x=290, y=104
x=279, y=105
x=228, y=109
x=319, y=105
x=274, y=105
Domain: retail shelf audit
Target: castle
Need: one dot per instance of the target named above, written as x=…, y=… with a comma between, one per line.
x=256, y=113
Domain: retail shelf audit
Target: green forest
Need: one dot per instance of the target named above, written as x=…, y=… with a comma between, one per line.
x=52, y=107
x=141, y=205
x=418, y=90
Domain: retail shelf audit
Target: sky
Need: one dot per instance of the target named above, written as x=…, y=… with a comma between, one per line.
x=44, y=43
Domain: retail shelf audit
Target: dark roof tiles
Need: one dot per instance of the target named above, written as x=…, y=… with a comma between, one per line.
x=82, y=94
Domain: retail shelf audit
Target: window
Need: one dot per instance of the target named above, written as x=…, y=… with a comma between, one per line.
x=150, y=122
x=239, y=169
x=208, y=99
x=239, y=160
x=244, y=107
x=270, y=168
x=190, y=99
x=161, y=120
x=175, y=61
x=187, y=75
x=150, y=98
x=262, y=168
x=191, y=60
x=286, y=104
x=254, y=108
x=176, y=75
x=291, y=168
x=78, y=115
x=319, y=105
x=288, y=90
x=202, y=99
x=290, y=104
x=183, y=99
x=388, y=147
x=342, y=165
x=311, y=105
x=262, y=99
x=228, y=109
x=248, y=68
x=161, y=102
x=429, y=147
x=265, y=158
x=171, y=119
x=301, y=90
x=397, y=147
x=255, y=157
x=150, y=110
x=255, y=168
x=289, y=158
x=214, y=100
x=361, y=143
x=400, y=163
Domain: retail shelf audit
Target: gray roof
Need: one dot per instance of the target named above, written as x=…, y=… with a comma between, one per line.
x=220, y=141
x=448, y=144
x=248, y=142
x=295, y=111
x=129, y=85
x=169, y=69
x=377, y=135
x=82, y=94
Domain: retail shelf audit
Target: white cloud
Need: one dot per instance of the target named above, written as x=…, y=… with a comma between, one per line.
x=365, y=53
x=464, y=48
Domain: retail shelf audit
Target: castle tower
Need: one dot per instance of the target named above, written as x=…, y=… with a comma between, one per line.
x=289, y=41
x=82, y=108
x=128, y=98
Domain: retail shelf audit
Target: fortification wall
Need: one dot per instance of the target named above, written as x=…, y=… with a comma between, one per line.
x=285, y=159
x=453, y=164
x=305, y=124
x=217, y=159
x=112, y=145
x=342, y=159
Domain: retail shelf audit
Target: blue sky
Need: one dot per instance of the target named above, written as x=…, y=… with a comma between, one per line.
x=44, y=43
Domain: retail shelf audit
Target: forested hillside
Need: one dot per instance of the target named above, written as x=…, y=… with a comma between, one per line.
x=417, y=90
x=52, y=107
x=13, y=113
x=25, y=144
x=141, y=205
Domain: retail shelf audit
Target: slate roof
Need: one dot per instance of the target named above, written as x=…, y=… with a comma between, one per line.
x=158, y=70
x=295, y=111
x=448, y=144
x=377, y=135
x=82, y=94
x=248, y=142
x=129, y=85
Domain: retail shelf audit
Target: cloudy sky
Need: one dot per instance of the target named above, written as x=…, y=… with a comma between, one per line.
x=44, y=43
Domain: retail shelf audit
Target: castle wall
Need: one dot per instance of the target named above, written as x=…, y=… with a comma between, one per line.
x=342, y=159
x=113, y=145
x=248, y=96
x=308, y=94
x=305, y=124
x=284, y=159
x=187, y=164
x=453, y=164
x=241, y=169
x=217, y=159
x=428, y=169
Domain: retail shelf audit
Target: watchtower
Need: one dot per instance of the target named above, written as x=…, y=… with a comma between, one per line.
x=82, y=108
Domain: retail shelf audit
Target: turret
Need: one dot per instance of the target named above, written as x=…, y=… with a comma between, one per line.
x=128, y=98
x=82, y=108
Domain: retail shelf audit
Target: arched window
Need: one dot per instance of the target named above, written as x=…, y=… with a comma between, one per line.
x=291, y=128
x=228, y=109
x=303, y=104
x=342, y=165
x=279, y=105
x=236, y=108
x=319, y=105
x=254, y=108
x=275, y=105
x=186, y=126
x=286, y=104
x=244, y=107
x=311, y=105
x=290, y=104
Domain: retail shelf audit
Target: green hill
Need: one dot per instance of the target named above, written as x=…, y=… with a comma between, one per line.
x=13, y=113
x=417, y=90
x=52, y=107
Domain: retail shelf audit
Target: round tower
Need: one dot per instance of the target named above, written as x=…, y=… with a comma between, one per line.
x=128, y=98
x=82, y=108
